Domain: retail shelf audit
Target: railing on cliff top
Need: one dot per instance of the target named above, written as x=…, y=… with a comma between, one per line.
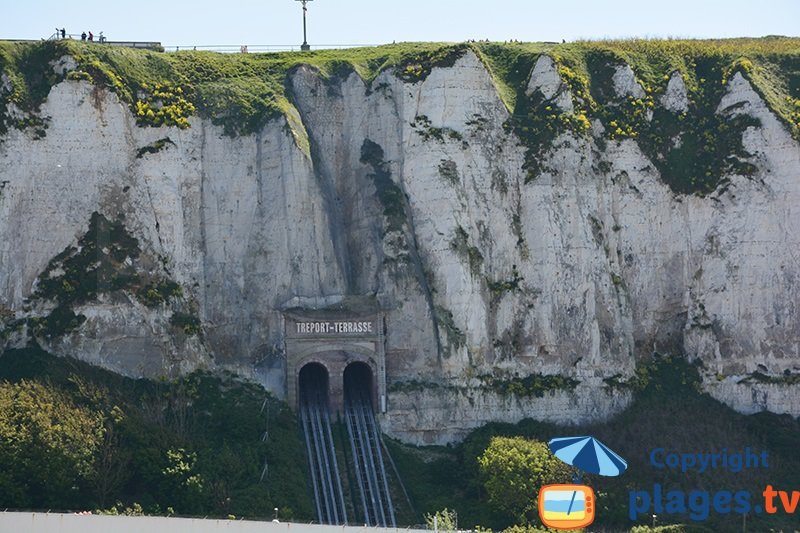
x=256, y=48
x=147, y=45
x=222, y=48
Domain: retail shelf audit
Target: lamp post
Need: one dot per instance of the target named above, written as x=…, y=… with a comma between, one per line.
x=305, y=46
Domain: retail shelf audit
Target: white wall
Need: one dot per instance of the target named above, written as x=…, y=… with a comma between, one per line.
x=70, y=523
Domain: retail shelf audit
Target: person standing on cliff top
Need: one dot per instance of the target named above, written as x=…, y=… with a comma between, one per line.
x=91, y=36
x=83, y=36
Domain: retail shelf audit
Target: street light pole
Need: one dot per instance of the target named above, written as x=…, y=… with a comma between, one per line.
x=305, y=46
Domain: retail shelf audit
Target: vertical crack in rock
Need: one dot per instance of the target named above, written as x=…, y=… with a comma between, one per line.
x=203, y=292
x=259, y=169
x=399, y=219
x=155, y=219
x=332, y=207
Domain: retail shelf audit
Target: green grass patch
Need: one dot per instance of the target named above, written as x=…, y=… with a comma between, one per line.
x=456, y=338
x=460, y=244
x=787, y=378
x=422, y=125
x=500, y=287
x=533, y=385
x=522, y=387
x=154, y=147
x=188, y=323
x=448, y=171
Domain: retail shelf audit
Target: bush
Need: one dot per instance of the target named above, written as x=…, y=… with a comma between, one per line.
x=513, y=469
x=47, y=446
x=73, y=436
x=444, y=520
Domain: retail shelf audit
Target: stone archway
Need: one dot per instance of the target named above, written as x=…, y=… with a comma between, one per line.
x=312, y=383
x=335, y=364
x=334, y=343
x=359, y=379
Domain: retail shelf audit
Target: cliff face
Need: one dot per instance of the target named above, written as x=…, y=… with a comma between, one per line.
x=518, y=278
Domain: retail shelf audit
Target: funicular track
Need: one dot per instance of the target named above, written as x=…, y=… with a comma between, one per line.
x=326, y=482
x=368, y=489
x=366, y=448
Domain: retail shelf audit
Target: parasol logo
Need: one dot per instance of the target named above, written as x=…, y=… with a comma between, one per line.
x=572, y=506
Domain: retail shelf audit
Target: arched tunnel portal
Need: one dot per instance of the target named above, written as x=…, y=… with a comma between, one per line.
x=336, y=367
x=313, y=384
x=359, y=383
x=348, y=353
x=329, y=377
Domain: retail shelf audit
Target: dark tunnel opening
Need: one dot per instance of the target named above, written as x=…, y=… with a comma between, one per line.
x=313, y=384
x=358, y=383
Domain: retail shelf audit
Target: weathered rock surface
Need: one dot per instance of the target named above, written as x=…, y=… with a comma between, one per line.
x=548, y=82
x=675, y=98
x=579, y=273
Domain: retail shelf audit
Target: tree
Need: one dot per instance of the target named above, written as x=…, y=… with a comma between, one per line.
x=513, y=469
x=47, y=446
x=112, y=461
x=183, y=481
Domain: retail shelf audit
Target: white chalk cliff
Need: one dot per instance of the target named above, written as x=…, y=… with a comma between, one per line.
x=579, y=273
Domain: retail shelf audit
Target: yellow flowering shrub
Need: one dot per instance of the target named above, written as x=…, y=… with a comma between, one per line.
x=163, y=105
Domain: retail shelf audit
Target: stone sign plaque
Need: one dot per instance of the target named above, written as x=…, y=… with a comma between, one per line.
x=300, y=328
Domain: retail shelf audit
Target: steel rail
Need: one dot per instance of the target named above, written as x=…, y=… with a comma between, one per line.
x=304, y=419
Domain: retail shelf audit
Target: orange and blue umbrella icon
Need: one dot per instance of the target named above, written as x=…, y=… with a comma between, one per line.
x=589, y=455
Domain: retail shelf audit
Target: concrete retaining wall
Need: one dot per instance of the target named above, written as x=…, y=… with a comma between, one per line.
x=71, y=523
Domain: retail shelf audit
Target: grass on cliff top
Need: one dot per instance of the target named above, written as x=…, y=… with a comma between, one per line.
x=242, y=91
x=238, y=91
x=775, y=61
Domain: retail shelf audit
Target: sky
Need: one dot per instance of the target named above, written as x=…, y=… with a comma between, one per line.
x=204, y=23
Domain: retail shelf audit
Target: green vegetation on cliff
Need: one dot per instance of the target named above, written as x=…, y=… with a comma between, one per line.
x=237, y=91
x=105, y=261
x=75, y=437
x=771, y=63
x=693, y=149
x=242, y=91
x=668, y=412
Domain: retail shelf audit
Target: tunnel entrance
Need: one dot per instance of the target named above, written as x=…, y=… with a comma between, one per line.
x=313, y=385
x=358, y=384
